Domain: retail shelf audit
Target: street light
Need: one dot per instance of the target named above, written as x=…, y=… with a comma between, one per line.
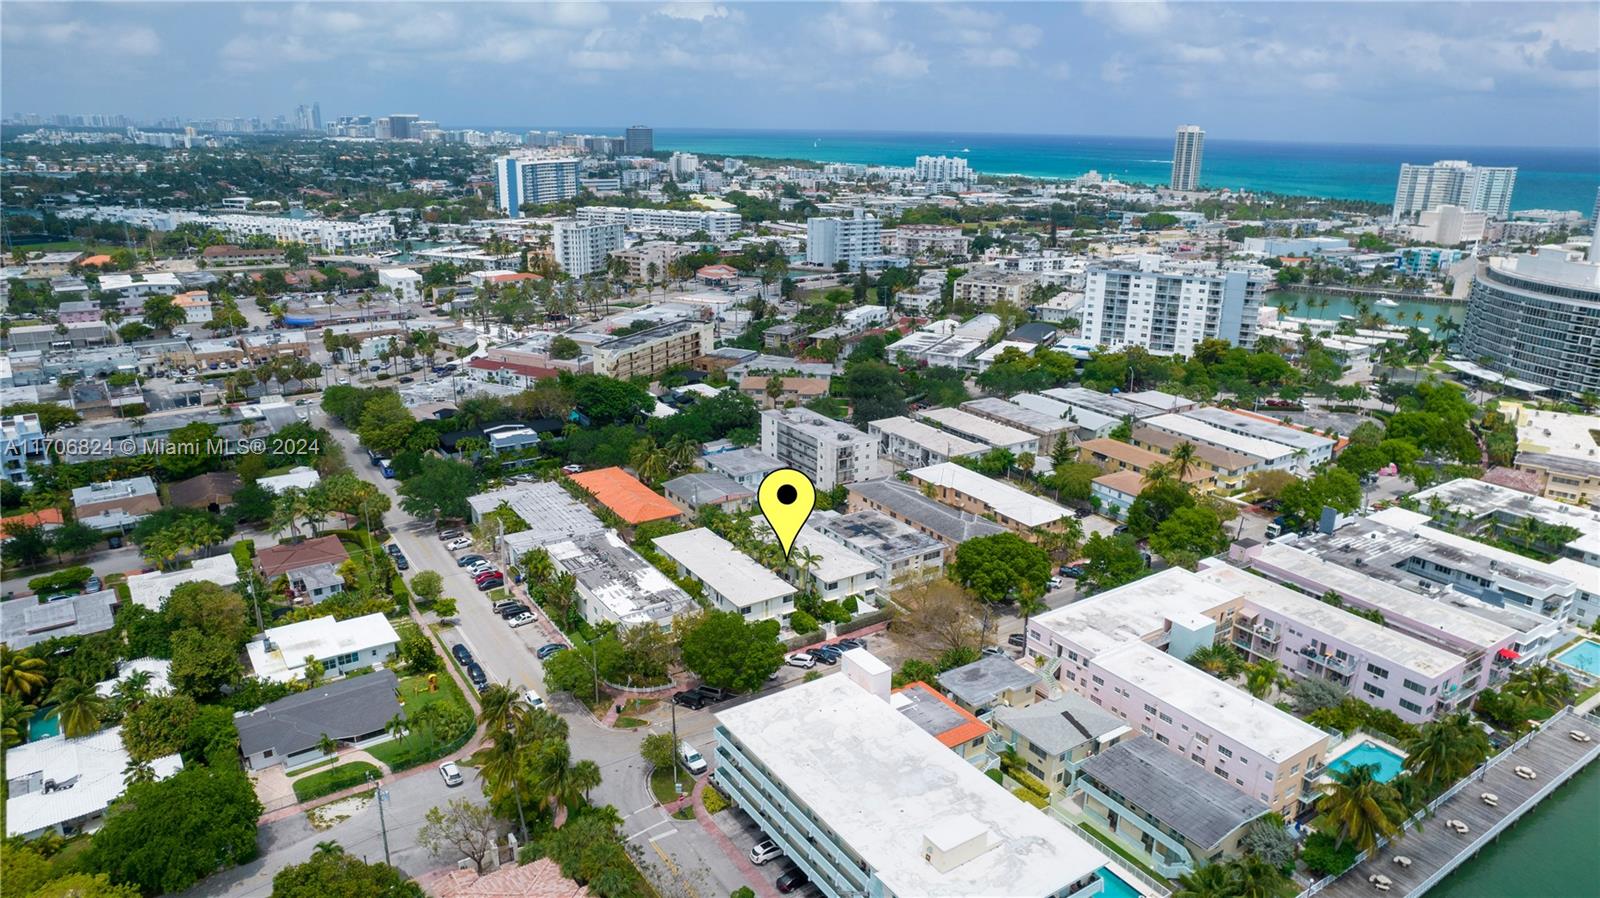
x=383, y=824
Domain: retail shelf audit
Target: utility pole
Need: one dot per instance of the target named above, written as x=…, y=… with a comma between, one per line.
x=676, y=789
x=382, y=823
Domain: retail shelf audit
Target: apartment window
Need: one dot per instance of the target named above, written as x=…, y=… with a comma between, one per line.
x=1224, y=751
x=1165, y=718
x=1220, y=772
x=1377, y=671
x=1149, y=709
x=1073, y=655
x=1072, y=676
x=1163, y=739
x=1097, y=680
x=1418, y=688
x=1268, y=774
x=1202, y=738
x=1197, y=759
x=1372, y=689
x=1146, y=730
x=1413, y=707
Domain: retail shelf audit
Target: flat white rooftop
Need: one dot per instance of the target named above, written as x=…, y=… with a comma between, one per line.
x=992, y=432
x=1135, y=611
x=1476, y=498
x=1451, y=623
x=1558, y=433
x=721, y=566
x=322, y=638
x=1373, y=639
x=927, y=437
x=837, y=562
x=1272, y=432
x=1243, y=718
x=1055, y=408
x=883, y=785
x=1029, y=510
x=1196, y=429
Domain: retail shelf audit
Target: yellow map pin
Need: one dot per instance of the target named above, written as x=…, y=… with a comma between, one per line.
x=786, y=497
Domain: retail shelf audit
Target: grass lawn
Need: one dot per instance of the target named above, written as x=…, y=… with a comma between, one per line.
x=333, y=779
x=414, y=696
x=311, y=767
x=628, y=723
x=661, y=784
x=1121, y=852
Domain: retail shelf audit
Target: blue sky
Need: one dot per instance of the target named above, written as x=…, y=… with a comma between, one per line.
x=1434, y=73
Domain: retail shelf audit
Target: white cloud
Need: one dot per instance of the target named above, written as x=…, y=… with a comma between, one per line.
x=901, y=62
x=1114, y=70
x=693, y=11
x=991, y=57
x=1137, y=16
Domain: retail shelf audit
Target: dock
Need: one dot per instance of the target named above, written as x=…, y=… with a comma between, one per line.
x=1436, y=849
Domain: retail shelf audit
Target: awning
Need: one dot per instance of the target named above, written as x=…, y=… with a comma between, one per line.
x=1509, y=655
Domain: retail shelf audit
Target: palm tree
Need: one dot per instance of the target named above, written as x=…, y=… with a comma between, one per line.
x=132, y=690
x=1446, y=750
x=396, y=727
x=326, y=848
x=649, y=461
x=805, y=559
x=326, y=745
x=22, y=676
x=1028, y=605
x=78, y=706
x=1262, y=676
x=563, y=594
x=681, y=453
x=1218, y=660
x=137, y=771
x=503, y=711
x=1210, y=881
x=1542, y=685
x=13, y=721
x=1183, y=460
x=1255, y=878
x=1358, y=809
x=538, y=565
x=563, y=783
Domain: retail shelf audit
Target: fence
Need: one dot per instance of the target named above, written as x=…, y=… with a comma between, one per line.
x=1451, y=792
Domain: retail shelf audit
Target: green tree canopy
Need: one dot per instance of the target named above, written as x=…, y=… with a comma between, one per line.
x=1111, y=562
x=331, y=873
x=996, y=567
x=165, y=836
x=727, y=651
x=440, y=489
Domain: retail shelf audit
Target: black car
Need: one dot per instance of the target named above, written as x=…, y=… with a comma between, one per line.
x=1072, y=571
x=827, y=654
x=515, y=609
x=1020, y=640
x=475, y=674
x=491, y=583
x=401, y=563
x=469, y=560
x=462, y=653
x=846, y=645
x=714, y=694
x=791, y=879
x=689, y=698
x=392, y=548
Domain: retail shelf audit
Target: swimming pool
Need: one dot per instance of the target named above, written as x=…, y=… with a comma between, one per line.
x=1370, y=754
x=1114, y=886
x=1585, y=656
x=42, y=725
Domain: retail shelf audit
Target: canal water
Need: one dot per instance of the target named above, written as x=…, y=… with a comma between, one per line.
x=1553, y=852
x=1403, y=313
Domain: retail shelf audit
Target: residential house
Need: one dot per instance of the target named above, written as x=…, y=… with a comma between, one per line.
x=353, y=713
x=341, y=646
x=991, y=682
x=1053, y=737
x=311, y=567
x=64, y=786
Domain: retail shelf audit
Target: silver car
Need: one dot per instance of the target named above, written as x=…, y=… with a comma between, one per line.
x=451, y=773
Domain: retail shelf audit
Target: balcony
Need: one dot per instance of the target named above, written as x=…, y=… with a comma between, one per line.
x=1344, y=667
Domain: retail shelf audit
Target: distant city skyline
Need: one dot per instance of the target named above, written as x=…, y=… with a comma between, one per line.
x=1514, y=74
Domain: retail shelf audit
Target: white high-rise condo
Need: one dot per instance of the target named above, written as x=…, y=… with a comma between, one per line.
x=521, y=180
x=1453, y=182
x=944, y=169
x=830, y=241
x=1171, y=308
x=1187, y=149
x=581, y=247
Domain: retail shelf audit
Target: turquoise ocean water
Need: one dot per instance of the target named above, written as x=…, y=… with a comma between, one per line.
x=1548, y=178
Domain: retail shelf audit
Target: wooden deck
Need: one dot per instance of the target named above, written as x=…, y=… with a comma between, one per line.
x=1436, y=849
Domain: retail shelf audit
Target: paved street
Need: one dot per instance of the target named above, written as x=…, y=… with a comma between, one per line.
x=697, y=865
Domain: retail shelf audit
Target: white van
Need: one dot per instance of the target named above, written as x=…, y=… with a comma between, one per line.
x=691, y=759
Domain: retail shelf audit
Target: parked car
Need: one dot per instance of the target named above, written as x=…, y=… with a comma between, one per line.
x=508, y=603
x=764, y=851
x=572, y=469
x=534, y=700
x=852, y=642
x=802, y=660
x=1072, y=570
x=401, y=563
x=1057, y=583
x=462, y=654
x=491, y=583
x=689, y=698
x=448, y=535
x=993, y=650
x=476, y=675
x=480, y=567
x=466, y=560
x=451, y=773
x=692, y=761
x=550, y=648
x=91, y=585
x=522, y=620
x=514, y=610
x=792, y=879
x=484, y=575
x=458, y=543
x=827, y=654
x=406, y=378
x=715, y=694
x=1020, y=640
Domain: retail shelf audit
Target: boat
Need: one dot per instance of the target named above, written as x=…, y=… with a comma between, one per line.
x=1387, y=303
x=966, y=149
x=1347, y=318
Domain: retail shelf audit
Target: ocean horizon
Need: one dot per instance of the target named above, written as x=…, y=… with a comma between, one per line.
x=1561, y=178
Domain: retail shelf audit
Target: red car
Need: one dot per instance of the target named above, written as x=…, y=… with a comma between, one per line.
x=486, y=575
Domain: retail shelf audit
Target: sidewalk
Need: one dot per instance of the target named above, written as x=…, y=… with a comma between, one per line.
x=738, y=858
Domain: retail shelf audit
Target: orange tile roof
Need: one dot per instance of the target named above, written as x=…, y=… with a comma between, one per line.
x=971, y=727
x=621, y=492
x=42, y=517
x=95, y=261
